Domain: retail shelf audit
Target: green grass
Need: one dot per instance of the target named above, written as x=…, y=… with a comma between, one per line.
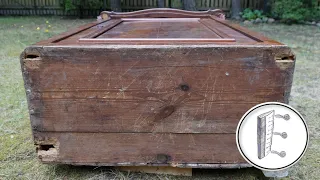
x=17, y=153
x=305, y=42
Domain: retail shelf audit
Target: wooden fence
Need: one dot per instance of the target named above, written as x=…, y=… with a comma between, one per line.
x=53, y=7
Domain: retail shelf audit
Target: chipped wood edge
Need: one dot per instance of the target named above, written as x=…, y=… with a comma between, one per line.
x=31, y=58
x=285, y=60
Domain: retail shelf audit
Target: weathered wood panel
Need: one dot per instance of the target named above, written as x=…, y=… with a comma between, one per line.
x=137, y=148
x=137, y=116
x=204, y=90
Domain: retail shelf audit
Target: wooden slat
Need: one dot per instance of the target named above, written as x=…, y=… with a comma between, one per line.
x=155, y=40
x=138, y=148
x=97, y=33
x=158, y=170
x=211, y=26
x=129, y=86
x=103, y=115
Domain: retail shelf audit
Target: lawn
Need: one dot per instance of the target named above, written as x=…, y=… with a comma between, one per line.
x=17, y=153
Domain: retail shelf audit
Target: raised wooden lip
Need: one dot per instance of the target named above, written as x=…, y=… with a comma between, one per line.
x=160, y=13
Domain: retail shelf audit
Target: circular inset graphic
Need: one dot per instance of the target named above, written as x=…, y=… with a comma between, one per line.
x=272, y=136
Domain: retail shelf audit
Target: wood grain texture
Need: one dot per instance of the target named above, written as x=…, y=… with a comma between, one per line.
x=145, y=90
x=128, y=90
x=134, y=148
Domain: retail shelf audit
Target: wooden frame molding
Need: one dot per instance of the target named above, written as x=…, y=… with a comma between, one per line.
x=124, y=17
x=161, y=13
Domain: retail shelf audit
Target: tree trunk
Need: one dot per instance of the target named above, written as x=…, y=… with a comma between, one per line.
x=160, y=3
x=115, y=5
x=236, y=8
x=189, y=5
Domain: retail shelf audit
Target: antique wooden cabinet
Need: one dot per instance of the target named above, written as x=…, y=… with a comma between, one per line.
x=157, y=87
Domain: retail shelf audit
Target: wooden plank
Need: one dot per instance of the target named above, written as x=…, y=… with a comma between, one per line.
x=189, y=65
x=81, y=115
x=125, y=149
x=216, y=3
x=157, y=170
x=111, y=24
x=254, y=35
x=206, y=89
x=228, y=4
x=212, y=27
x=126, y=3
x=155, y=40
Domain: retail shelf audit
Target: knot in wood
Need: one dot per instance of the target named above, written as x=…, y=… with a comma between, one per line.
x=165, y=112
x=184, y=87
x=163, y=158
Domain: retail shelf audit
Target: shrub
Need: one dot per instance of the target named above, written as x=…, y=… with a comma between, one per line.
x=294, y=11
x=68, y=5
x=249, y=14
x=313, y=14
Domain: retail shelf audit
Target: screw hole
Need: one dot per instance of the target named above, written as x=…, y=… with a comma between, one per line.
x=32, y=56
x=184, y=87
x=45, y=147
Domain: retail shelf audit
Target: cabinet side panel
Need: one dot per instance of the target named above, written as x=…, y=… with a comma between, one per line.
x=179, y=90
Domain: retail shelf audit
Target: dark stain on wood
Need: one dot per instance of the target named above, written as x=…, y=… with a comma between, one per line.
x=163, y=158
x=164, y=112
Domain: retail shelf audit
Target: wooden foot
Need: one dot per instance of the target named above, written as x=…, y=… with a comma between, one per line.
x=158, y=170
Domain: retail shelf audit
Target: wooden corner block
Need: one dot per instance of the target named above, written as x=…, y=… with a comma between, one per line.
x=158, y=170
x=104, y=16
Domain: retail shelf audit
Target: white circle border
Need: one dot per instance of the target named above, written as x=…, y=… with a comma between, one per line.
x=260, y=105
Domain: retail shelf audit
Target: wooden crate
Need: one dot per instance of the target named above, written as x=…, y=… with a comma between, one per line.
x=157, y=87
